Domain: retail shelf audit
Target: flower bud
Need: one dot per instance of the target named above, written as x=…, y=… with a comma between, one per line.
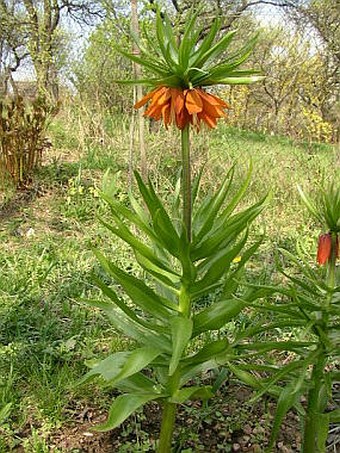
x=325, y=248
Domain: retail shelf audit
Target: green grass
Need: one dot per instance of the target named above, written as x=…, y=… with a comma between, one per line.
x=46, y=333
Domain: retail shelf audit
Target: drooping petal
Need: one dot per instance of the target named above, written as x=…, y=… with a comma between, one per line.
x=183, y=106
x=178, y=100
x=146, y=98
x=213, y=110
x=209, y=120
x=183, y=118
x=162, y=98
x=211, y=99
x=166, y=115
x=193, y=101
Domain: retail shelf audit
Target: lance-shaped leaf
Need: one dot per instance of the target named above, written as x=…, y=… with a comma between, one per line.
x=334, y=416
x=288, y=398
x=216, y=267
x=192, y=393
x=181, y=330
x=214, y=51
x=190, y=371
x=163, y=226
x=141, y=294
x=217, y=315
x=137, y=383
x=122, y=407
x=111, y=294
x=206, y=43
x=166, y=278
x=139, y=218
x=188, y=41
x=138, y=247
x=227, y=231
x=121, y=365
x=208, y=352
x=131, y=329
x=206, y=214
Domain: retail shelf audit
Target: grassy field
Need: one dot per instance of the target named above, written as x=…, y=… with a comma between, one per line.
x=46, y=334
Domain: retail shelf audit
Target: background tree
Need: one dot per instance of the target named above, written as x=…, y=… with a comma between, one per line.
x=37, y=25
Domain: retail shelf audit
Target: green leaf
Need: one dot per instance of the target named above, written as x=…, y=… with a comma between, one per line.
x=122, y=408
x=192, y=393
x=234, y=80
x=224, y=70
x=137, y=383
x=139, y=218
x=121, y=365
x=213, y=52
x=111, y=294
x=275, y=345
x=165, y=40
x=196, y=184
x=322, y=428
x=165, y=277
x=217, y=315
x=216, y=267
x=334, y=416
x=163, y=226
x=228, y=210
x=188, y=40
x=225, y=232
x=208, y=352
x=206, y=42
x=192, y=370
x=309, y=204
x=206, y=214
x=181, y=330
x=244, y=376
x=141, y=294
x=130, y=328
x=152, y=65
x=287, y=399
x=5, y=412
x=139, y=247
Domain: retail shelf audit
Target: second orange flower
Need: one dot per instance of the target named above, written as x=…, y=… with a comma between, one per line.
x=183, y=106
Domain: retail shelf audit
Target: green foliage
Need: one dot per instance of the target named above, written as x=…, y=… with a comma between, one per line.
x=192, y=63
x=162, y=309
x=46, y=335
x=326, y=209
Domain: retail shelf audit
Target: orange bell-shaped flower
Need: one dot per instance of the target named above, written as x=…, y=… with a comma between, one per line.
x=325, y=248
x=183, y=106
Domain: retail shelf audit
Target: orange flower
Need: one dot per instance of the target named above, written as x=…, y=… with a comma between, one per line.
x=183, y=107
x=325, y=248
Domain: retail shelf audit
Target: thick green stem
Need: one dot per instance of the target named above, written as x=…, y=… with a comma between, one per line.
x=332, y=263
x=167, y=427
x=313, y=409
x=169, y=409
x=186, y=180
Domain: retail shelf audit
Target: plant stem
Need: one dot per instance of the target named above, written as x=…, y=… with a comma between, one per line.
x=332, y=263
x=314, y=410
x=186, y=180
x=167, y=427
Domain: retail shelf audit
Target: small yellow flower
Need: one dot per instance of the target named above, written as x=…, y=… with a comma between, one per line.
x=237, y=259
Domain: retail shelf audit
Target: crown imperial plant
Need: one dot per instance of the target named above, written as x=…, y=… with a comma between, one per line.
x=182, y=260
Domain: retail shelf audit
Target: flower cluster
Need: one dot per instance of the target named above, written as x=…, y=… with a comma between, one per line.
x=183, y=106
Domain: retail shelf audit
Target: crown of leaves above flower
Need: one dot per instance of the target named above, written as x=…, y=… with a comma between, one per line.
x=192, y=61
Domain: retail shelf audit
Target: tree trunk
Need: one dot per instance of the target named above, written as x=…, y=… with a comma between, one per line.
x=137, y=74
